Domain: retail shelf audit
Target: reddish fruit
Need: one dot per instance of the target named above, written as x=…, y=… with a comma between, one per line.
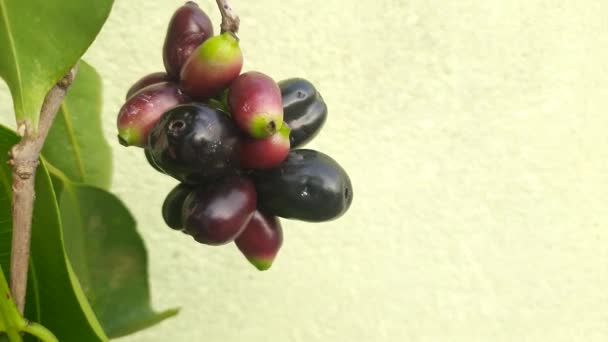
x=157, y=77
x=255, y=103
x=189, y=27
x=217, y=213
x=265, y=153
x=143, y=109
x=261, y=240
x=212, y=66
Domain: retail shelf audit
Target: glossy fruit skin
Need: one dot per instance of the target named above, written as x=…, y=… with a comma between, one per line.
x=264, y=153
x=261, y=240
x=151, y=161
x=172, y=206
x=195, y=143
x=308, y=186
x=212, y=66
x=157, y=77
x=189, y=27
x=217, y=213
x=142, y=110
x=255, y=103
x=304, y=110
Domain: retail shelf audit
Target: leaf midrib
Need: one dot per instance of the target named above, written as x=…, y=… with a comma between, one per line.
x=13, y=51
x=70, y=130
x=71, y=191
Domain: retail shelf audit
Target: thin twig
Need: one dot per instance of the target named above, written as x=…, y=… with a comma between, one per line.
x=24, y=161
x=230, y=21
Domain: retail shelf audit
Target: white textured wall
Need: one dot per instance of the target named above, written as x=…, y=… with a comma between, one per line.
x=476, y=136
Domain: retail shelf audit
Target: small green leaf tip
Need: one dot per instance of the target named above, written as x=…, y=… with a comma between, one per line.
x=217, y=104
x=260, y=263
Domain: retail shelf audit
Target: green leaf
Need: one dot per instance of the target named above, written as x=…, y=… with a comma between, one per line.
x=10, y=319
x=54, y=297
x=40, y=41
x=75, y=144
x=109, y=258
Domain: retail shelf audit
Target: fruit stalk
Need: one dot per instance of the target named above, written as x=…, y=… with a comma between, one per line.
x=230, y=21
x=23, y=159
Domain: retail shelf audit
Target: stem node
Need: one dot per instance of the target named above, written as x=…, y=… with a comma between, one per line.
x=230, y=21
x=23, y=158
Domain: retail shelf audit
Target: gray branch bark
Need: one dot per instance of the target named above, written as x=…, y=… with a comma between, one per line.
x=24, y=160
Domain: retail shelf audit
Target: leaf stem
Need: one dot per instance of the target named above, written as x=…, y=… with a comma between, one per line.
x=10, y=319
x=13, y=335
x=230, y=21
x=39, y=331
x=24, y=161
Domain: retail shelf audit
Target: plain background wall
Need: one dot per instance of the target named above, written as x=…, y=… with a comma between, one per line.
x=476, y=137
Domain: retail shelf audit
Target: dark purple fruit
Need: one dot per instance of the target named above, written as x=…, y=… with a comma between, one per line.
x=212, y=66
x=189, y=27
x=151, y=161
x=217, y=213
x=195, y=143
x=255, y=104
x=304, y=110
x=261, y=240
x=157, y=77
x=307, y=186
x=172, y=206
x=143, y=109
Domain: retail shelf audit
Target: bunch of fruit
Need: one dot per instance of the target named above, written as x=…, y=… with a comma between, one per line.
x=230, y=139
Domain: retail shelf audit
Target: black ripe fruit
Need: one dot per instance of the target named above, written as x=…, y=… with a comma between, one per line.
x=308, y=186
x=189, y=27
x=304, y=110
x=195, y=143
x=151, y=161
x=172, y=206
x=217, y=213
